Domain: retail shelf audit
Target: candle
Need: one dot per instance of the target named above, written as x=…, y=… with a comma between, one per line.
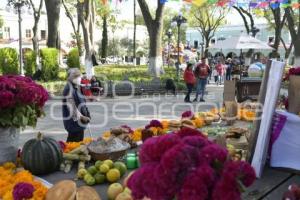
x=131, y=162
x=131, y=155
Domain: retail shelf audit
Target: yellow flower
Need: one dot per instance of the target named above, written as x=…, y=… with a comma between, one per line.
x=137, y=134
x=9, y=166
x=199, y=122
x=165, y=124
x=87, y=140
x=8, y=195
x=154, y=130
x=106, y=135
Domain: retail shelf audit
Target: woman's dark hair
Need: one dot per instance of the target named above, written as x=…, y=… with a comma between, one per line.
x=189, y=65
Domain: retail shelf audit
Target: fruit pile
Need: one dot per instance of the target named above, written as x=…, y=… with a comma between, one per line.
x=117, y=192
x=102, y=171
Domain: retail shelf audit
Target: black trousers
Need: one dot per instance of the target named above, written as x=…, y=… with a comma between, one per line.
x=189, y=91
x=75, y=137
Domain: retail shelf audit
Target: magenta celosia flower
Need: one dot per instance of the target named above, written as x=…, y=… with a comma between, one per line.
x=154, y=123
x=197, y=184
x=23, y=191
x=6, y=99
x=187, y=114
x=214, y=154
x=198, y=142
x=142, y=184
x=242, y=171
x=175, y=164
x=186, y=131
x=22, y=90
x=226, y=188
x=154, y=148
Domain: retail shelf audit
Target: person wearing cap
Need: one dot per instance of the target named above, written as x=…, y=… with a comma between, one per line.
x=76, y=115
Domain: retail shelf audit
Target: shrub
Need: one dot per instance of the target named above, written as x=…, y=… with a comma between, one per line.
x=73, y=59
x=30, y=63
x=9, y=61
x=50, y=67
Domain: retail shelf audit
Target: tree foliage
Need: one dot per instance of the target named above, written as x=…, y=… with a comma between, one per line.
x=207, y=18
x=1, y=21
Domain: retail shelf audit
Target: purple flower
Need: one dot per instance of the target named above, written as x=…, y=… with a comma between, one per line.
x=24, y=91
x=187, y=114
x=214, y=154
x=175, y=164
x=186, y=131
x=154, y=148
x=226, y=188
x=6, y=99
x=154, y=123
x=242, y=171
x=197, y=184
x=23, y=191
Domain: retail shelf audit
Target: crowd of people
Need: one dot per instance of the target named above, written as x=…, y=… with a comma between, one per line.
x=90, y=88
x=200, y=75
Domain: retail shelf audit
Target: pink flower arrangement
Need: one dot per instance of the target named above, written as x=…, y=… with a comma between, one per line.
x=187, y=114
x=23, y=191
x=20, y=96
x=154, y=123
x=187, y=166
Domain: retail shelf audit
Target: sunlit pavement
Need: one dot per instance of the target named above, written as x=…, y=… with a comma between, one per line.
x=113, y=112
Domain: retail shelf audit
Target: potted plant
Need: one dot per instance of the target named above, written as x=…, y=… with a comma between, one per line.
x=21, y=104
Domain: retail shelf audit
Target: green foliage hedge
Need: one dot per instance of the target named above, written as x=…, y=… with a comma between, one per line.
x=50, y=66
x=9, y=63
x=73, y=59
x=30, y=63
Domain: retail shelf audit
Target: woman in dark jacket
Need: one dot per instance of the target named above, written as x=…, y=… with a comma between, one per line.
x=76, y=115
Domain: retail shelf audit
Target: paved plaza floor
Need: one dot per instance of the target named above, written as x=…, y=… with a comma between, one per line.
x=112, y=112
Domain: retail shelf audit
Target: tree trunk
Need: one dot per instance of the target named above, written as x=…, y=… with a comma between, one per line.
x=104, y=42
x=154, y=27
x=86, y=18
x=297, y=52
x=53, y=11
x=35, y=42
x=155, y=54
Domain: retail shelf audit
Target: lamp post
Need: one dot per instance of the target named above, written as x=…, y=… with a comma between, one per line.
x=178, y=21
x=18, y=4
x=169, y=34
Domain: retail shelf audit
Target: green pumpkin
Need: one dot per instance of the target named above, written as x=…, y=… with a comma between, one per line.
x=41, y=155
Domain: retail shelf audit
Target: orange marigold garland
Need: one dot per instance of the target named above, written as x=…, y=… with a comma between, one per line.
x=10, y=176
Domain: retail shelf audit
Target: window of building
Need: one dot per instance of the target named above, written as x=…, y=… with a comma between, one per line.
x=28, y=33
x=43, y=35
x=271, y=39
x=6, y=33
x=213, y=41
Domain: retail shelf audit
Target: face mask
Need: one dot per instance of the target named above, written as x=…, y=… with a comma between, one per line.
x=77, y=80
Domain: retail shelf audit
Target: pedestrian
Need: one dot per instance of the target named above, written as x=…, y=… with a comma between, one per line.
x=215, y=75
x=86, y=87
x=76, y=115
x=220, y=69
x=201, y=73
x=96, y=86
x=229, y=69
x=190, y=80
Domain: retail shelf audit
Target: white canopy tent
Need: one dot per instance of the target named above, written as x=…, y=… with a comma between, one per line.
x=241, y=42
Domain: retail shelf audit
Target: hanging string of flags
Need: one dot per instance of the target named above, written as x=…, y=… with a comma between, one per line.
x=255, y=4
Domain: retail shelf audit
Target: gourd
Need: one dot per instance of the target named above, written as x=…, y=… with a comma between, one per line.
x=41, y=155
